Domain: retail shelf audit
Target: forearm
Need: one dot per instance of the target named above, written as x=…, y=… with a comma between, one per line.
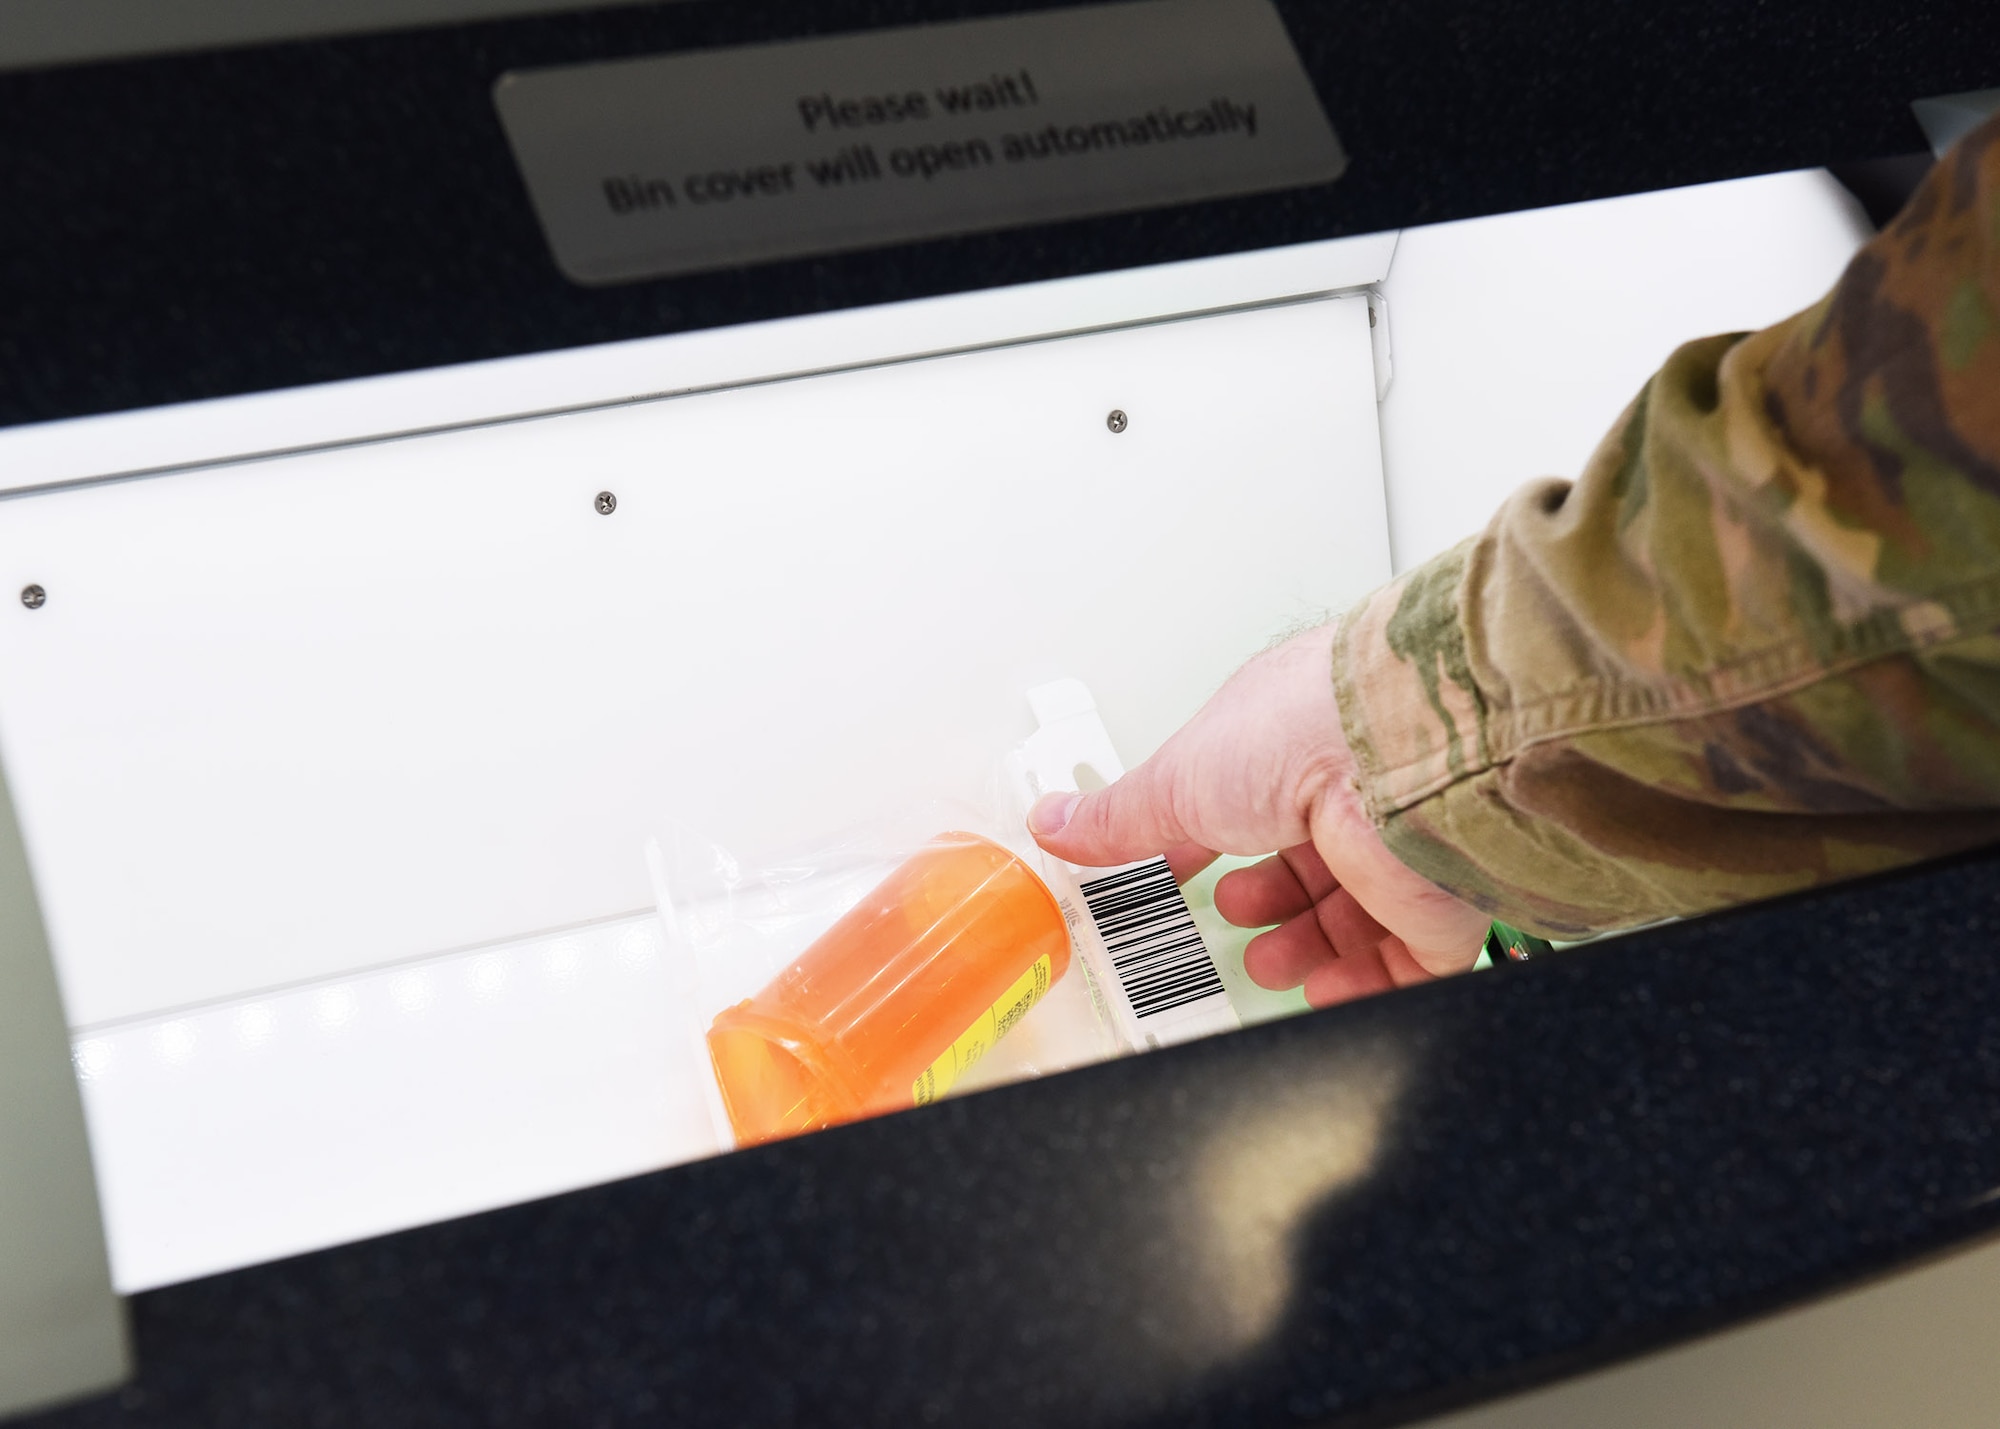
x=1752, y=648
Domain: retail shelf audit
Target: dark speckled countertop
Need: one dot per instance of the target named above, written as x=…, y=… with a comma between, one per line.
x=1357, y=1215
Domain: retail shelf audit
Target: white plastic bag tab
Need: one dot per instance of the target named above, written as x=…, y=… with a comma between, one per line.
x=1135, y=936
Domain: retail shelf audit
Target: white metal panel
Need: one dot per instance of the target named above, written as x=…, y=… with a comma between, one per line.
x=286, y=719
x=62, y=1331
x=268, y=1126
x=264, y=1127
x=191, y=433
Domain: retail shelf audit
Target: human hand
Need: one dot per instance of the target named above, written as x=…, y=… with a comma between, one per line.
x=1263, y=765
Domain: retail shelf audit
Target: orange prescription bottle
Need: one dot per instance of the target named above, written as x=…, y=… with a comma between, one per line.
x=895, y=1001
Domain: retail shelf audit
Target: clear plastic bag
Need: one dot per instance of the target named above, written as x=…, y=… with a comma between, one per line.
x=933, y=953
x=759, y=947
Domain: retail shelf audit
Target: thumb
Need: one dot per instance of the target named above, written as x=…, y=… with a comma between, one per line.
x=1127, y=821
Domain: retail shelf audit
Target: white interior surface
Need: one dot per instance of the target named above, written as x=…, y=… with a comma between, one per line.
x=282, y=719
x=487, y=693
x=303, y=726
x=1519, y=339
x=267, y=1126
x=262, y=1127
x=189, y=434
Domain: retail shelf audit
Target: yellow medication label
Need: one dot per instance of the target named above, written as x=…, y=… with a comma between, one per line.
x=993, y=1024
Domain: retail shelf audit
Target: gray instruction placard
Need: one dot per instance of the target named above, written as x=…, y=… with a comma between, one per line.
x=677, y=163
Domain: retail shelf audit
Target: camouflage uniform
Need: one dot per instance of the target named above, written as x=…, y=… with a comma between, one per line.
x=1755, y=647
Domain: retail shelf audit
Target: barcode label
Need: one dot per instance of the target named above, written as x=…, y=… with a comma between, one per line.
x=1155, y=948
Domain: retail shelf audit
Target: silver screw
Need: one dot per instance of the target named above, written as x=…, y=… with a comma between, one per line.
x=1117, y=421
x=33, y=596
x=606, y=503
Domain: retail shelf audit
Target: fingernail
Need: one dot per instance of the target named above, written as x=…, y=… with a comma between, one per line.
x=1051, y=813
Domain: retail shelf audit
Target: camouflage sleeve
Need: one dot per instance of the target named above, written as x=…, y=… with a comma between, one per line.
x=1754, y=647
